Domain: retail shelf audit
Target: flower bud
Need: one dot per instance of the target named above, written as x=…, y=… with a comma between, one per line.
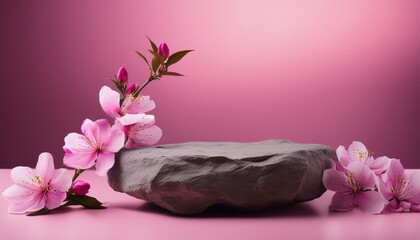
x=131, y=88
x=80, y=187
x=122, y=75
x=163, y=50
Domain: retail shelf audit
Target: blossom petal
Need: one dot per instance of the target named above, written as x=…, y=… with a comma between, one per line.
x=83, y=160
x=130, y=144
x=87, y=126
x=116, y=140
x=104, y=130
x=334, y=180
x=62, y=180
x=151, y=135
x=415, y=208
x=104, y=163
x=45, y=167
x=129, y=119
x=92, y=131
x=414, y=188
x=139, y=136
x=342, y=202
x=123, y=128
x=358, y=152
x=371, y=202
x=385, y=190
x=406, y=206
x=362, y=174
x=110, y=101
x=38, y=202
x=380, y=165
x=16, y=193
x=343, y=156
x=395, y=172
x=394, y=206
x=54, y=199
x=148, y=120
x=146, y=104
x=338, y=166
x=75, y=142
x=25, y=205
x=25, y=177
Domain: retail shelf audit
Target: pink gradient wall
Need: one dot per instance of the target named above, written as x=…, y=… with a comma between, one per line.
x=326, y=72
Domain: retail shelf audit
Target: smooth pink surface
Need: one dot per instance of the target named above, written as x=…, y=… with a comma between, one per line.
x=130, y=218
x=325, y=72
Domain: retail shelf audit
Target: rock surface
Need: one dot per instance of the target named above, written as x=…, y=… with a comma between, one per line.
x=187, y=178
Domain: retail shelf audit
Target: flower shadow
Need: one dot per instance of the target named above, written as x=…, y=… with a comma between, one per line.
x=71, y=209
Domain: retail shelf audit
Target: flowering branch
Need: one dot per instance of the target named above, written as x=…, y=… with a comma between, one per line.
x=40, y=190
x=144, y=85
x=161, y=62
x=77, y=173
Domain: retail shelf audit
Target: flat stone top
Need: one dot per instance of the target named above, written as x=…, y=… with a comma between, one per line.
x=230, y=150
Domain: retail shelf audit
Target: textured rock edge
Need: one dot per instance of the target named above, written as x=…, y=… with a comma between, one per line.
x=314, y=188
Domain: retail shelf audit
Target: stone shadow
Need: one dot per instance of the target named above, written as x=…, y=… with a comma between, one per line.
x=297, y=210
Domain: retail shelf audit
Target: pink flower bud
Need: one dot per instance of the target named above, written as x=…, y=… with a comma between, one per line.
x=163, y=50
x=122, y=75
x=131, y=88
x=80, y=187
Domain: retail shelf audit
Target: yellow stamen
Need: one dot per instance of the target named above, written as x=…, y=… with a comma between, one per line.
x=38, y=179
x=392, y=189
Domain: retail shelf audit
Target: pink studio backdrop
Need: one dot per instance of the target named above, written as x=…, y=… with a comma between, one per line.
x=326, y=72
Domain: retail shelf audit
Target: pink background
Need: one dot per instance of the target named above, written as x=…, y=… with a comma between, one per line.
x=326, y=72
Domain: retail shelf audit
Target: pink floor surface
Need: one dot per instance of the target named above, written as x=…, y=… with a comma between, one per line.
x=130, y=218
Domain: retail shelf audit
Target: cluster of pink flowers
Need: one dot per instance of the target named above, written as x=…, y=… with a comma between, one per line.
x=37, y=191
x=373, y=185
x=99, y=141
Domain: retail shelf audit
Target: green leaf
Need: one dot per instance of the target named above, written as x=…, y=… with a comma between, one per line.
x=155, y=65
x=144, y=58
x=71, y=203
x=119, y=85
x=155, y=49
x=174, y=58
x=171, y=74
x=157, y=56
x=86, y=201
x=156, y=61
x=39, y=212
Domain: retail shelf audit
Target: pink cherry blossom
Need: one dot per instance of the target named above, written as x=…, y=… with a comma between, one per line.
x=143, y=133
x=353, y=188
x=400, y=189
x=37, y=188
x=358, y=152
x=131, y=109
x=97, y=146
